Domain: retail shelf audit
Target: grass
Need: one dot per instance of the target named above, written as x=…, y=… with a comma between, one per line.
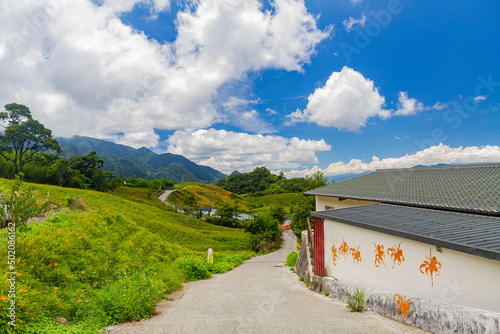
x=263, y=203
x=203, y=193
x=111, y=263
x=356, y=300
x=291, y=259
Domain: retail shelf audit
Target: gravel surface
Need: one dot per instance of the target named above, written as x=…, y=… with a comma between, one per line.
x=259, y=296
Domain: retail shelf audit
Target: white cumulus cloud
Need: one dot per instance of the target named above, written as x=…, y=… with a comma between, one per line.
x=408, y=106
x=228, y=151
x=81, y=70
x=438, y=154
x=347, y=100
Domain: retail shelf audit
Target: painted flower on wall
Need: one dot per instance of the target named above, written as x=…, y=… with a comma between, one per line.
x=356, y=254
x=335, y=257
x=379, y=255
x=396, y=254
x=404, y=306
x=344, y=248
x=431, y=266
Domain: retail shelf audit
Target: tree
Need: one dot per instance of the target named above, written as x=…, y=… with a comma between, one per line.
x=300, y=212
x=278, y=213
x=23, y=136
x=317, y=180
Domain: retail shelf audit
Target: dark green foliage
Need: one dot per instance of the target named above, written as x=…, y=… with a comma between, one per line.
x=24, y=137
x=225, y=216
x=248, y=183
x=300, y=212
x=267, y=232
x=262, y=182
x=277, y=212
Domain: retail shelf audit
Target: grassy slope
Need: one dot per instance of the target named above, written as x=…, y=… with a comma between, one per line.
x=285, y=200
x=203, y=194
x=111, y=263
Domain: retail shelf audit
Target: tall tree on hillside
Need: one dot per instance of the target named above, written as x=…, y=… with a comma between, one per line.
x=23, y=136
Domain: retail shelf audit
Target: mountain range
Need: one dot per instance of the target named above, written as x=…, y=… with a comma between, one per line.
x=125, y=161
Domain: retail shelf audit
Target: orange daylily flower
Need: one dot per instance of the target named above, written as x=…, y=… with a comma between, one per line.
x=56, y=288
x=3, y=298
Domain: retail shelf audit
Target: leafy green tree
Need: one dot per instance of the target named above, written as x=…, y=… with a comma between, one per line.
x=23, y=136
x=267, y=232
x=317, y=180
x=277, y=212
x=225, y=216
x=300, y=212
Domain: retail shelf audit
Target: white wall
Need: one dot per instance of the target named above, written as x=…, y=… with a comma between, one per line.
x=323, y=202
x=463, y=279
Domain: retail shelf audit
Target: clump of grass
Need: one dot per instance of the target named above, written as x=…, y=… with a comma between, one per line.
x=301, y=278
x=326, y=293
x=356, y=300
x=77, y=204
x=291, y=259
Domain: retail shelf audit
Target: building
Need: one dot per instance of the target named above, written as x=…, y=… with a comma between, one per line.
x=428, y=233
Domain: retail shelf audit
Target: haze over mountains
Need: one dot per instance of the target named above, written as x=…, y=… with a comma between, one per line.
x=125, y=161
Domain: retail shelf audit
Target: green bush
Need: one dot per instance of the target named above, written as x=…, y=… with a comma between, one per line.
x=356, y=300
x=193, y=268
x=291, y=259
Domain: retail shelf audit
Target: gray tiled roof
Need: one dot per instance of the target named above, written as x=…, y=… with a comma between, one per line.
x=473, y=234
x=463, y=188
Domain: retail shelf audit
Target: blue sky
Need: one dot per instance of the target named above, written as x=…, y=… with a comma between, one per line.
x=342, y=86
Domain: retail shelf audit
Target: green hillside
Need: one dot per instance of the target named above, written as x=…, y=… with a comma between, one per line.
x=124, y=161
x=204, y=193
x=263, y=203
x=110, y=262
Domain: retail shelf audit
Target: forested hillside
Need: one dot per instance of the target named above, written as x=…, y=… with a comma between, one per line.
x=261, y=182
x=124, y=161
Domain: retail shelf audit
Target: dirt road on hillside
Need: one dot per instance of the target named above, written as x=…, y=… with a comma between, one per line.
x=260, y=296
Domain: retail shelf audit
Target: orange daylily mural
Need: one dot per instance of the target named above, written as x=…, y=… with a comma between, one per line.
x=335, y=257
x=431, y=266
x=404, y=306
x=396, y=254
x=356, y=254
x=344, y=248
x=379, y=255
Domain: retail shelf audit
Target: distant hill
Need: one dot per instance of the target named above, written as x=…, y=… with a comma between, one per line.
x=125, y=161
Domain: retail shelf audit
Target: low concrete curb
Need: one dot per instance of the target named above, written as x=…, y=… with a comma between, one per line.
x=431, y=315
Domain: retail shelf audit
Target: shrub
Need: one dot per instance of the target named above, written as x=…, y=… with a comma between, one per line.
x=291, y=259
x=192, y=268
x=77, y=204
x=356, y=300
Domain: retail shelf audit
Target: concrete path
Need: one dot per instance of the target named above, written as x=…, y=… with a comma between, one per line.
x=260, y=296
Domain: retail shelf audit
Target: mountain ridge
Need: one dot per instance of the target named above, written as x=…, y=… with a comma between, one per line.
x=125, y=161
